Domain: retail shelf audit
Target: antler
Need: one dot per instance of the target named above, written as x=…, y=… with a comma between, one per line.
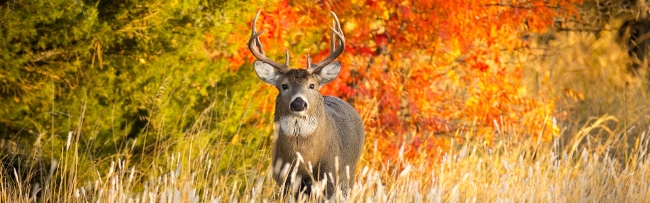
x=336, y=33
x=257, y=50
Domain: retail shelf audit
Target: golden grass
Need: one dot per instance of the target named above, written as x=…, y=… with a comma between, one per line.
x=505, y=172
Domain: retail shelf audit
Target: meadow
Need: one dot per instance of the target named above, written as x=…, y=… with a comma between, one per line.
x=581, y=170
x=562, y=121
x=595, y=159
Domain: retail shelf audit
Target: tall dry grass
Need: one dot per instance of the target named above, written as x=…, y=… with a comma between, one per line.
x=508, y=171
x=589, y=73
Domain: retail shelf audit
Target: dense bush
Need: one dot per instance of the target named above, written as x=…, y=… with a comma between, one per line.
x=111, y=73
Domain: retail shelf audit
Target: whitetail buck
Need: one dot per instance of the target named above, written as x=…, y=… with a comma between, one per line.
x=318, y=137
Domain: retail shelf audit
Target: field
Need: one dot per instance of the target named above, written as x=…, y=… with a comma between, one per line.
x=552, y=116
x=471, y=172
x=590, y=162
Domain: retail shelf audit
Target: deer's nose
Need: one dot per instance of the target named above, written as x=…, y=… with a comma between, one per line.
x=298, y=105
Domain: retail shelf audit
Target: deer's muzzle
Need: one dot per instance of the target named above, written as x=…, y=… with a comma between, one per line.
x=298, y=105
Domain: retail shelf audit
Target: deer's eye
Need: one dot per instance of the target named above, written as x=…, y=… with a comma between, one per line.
x=285, y=86
x=311, y=86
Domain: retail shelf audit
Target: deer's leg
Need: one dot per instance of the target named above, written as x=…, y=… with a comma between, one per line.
x=298, y=186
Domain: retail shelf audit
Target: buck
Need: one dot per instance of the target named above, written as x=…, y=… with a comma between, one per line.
x=319, y=138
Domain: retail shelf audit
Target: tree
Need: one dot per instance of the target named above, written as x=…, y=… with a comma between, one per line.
x=415, y=69
x=118, y=73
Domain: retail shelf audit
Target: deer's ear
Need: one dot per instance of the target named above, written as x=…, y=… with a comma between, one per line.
x=266, y=72
x=328, y=73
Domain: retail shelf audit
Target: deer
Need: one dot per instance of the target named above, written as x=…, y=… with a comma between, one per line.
x=318, y=138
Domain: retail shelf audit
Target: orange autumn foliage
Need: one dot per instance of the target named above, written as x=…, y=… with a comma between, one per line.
x=421, y=72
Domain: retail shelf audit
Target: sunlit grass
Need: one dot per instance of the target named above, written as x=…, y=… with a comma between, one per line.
x=524, y=171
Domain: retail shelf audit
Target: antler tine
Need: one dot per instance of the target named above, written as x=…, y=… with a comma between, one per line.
x=337, y=32
x=308, y=62
x=257, y=39
x=259, y=45
x=333, y=39
x=286, y=63
x=258, y=51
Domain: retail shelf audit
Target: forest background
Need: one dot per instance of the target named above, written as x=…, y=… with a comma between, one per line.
x=107, y=100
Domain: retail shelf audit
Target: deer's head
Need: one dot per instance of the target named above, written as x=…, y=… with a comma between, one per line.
x=298, y=88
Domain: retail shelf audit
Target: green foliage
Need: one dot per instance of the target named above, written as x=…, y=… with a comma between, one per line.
x=122, y=73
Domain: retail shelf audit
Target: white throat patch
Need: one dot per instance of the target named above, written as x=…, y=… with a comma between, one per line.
x=299, y=126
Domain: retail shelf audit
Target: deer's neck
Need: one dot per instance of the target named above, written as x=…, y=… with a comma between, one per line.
x=309, y=135
x=298, y=126
x=305, y=126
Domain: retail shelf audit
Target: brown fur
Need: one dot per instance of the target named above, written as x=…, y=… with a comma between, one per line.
x=339, y=136
x=339, y=133
x=326, y=132
x=297, y=76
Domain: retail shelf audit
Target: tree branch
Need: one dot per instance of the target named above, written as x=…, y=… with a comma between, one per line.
x=46, y=54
